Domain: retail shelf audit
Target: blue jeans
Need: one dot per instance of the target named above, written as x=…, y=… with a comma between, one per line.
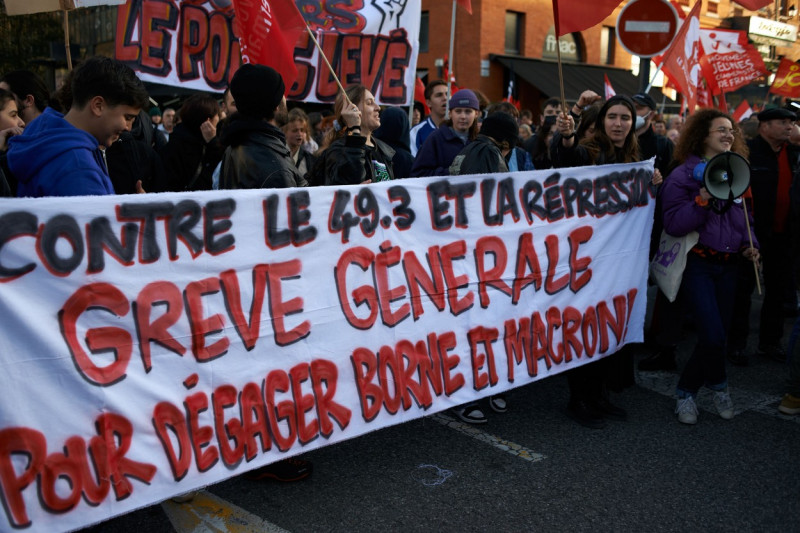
x=709, y=288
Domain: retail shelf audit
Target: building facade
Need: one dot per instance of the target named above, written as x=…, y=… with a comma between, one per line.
x=515, y=39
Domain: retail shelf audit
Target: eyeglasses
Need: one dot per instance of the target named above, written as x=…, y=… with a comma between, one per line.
x=724, y=131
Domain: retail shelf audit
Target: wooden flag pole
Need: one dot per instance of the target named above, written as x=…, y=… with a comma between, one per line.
x=750, y=235
x=322, y=54
x=561, y=76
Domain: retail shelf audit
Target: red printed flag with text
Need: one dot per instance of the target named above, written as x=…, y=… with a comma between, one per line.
x=681, y=60
x=268, y=31
x=577, y=15
x=787, y=79
x=729, y=61
x=466, y=4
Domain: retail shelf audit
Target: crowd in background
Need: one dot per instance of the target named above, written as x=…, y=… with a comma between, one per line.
x=251, y=138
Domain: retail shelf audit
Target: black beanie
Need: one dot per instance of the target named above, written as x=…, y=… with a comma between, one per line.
x=257, y=90
x=501, y=127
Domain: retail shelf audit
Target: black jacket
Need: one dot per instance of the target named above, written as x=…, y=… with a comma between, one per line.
x=256, y=156
x=349, y=161
x=189, y=161
x=394, y=131
x=651, y=144
x=764, y=185
x=481, y=156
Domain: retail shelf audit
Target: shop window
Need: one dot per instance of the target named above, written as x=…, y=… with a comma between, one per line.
x=514, y=23
x=423, y=32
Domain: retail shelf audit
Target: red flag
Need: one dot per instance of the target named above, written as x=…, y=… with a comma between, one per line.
x=787, y=79
x=729, y=61
x=704, y=97
x=608, y=89
x=742, y=112
x=449, y=76
x=466, y=4
x=681, y=58
x=578, y=15
x=268, y=32
x=722, y=104
x=753, y=5
x=419, y=95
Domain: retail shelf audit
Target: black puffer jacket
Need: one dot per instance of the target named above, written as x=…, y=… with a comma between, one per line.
x=256, y=156
x=349, y=161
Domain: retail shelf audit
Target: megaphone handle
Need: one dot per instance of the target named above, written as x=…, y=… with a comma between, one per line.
x=750, y=236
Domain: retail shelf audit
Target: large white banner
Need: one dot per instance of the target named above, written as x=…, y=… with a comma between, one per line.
x=194, y=44
x=154, y=344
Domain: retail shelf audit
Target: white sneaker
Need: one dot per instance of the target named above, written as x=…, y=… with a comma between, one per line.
x=724, y=404
x=686, y=410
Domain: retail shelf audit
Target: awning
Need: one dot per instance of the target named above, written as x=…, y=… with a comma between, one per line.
x=578, y=77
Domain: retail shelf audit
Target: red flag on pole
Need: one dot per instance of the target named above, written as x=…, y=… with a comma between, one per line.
x=466, y=4
x=681, y=60
x=787, y=79
x=722, y=104
x=729, y=61
x=419, y=95
x=753, y=5
x=268, y=32
x=608, y=89
x=578, y=15
x=742, y=112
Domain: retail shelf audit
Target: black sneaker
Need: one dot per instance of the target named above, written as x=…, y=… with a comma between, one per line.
x=738, y=357
x=581, y=412
x=608, y=410
x=291, y=469
x=498, y=403
x=772, y=351
x=471, y=414
x=663, y=360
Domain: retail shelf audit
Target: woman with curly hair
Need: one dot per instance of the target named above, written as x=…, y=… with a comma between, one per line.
x=709, y=280
x=350, y=154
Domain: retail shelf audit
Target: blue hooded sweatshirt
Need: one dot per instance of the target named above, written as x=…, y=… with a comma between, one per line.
x=54, y=158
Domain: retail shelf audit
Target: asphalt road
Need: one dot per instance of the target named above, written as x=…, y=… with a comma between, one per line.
x=533, y=469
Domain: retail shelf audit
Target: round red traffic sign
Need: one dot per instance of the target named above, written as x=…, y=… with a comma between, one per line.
x=646, y=28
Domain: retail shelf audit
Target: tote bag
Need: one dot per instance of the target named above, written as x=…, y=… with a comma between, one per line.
x=667, y=266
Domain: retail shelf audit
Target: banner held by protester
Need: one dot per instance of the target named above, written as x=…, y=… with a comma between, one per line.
x=154, y=344
x=196, y=45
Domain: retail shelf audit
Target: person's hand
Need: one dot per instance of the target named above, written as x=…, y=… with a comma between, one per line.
x=588, y=97
x=704, y=194
x=208, y=130
x=752, y=254
x=6, y=134
x=351, y=116
x=657, y=178
x=566, y=127
x=139, y=188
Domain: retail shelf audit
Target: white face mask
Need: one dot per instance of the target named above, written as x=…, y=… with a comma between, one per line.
x=641, y=120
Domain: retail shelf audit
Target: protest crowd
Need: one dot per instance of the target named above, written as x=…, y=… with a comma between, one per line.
x=100, y=134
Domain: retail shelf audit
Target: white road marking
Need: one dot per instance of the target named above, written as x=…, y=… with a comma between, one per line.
x=501, y=444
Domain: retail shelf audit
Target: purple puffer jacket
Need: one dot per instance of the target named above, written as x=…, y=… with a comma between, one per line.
x=725, y=232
